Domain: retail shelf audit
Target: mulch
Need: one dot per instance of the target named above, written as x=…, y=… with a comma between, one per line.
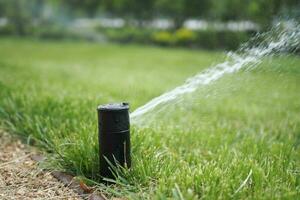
x=22, y=178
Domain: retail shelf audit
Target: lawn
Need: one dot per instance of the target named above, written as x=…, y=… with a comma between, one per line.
x=237, y=138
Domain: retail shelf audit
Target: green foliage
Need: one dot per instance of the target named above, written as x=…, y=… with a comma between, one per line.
x=179, y=10
x=163, y=38
x=181, y=37
x=89, y=6
x=184, y=36
x=130, y=8
x=260, y=11
x=23, y=13
x=205, y=148
x=207, y=39
x=20, y=15
x=229, y=40
x=7, y=30
x=54, y=32
x=128, y=34
x=232, y=39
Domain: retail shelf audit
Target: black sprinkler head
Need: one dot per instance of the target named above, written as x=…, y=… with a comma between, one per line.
x=114, y=137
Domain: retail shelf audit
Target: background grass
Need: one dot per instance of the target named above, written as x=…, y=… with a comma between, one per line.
x=204, y=147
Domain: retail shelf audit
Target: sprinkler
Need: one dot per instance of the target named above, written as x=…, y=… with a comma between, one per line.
x=114, y=137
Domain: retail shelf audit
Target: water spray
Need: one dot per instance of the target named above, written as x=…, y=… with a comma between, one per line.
x=114, y=138
x=114, y=134
x=283, y=37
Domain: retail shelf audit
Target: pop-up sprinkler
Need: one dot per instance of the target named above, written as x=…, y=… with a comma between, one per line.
x=114, y=137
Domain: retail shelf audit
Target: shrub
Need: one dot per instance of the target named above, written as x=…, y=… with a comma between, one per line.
x=207, y=39
x=232, y=39
x=184, y=36
x=163, y=38
x=11, y=29
x=7, y=30
x=128, y=34
x=53, y=32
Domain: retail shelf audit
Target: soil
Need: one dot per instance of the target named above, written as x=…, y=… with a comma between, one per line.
x=21, y=177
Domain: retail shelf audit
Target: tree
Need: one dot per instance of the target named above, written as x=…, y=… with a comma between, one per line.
x=180, y=10
x=19, y=14
x=263, y=12
x=173, y=9
x=90, y=7
x=196, y=8
x=137, y=9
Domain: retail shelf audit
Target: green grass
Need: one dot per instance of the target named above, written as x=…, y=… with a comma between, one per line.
x=202, y=148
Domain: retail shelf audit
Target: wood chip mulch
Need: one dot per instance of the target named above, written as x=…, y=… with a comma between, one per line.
x=21, y=178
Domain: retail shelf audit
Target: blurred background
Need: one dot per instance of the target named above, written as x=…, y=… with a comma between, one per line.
x=60, y=59
x=207, y=24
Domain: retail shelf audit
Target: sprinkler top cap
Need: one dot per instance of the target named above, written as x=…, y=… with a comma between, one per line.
x=114, y=107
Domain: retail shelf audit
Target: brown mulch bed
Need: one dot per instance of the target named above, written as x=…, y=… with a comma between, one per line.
x=21, y=178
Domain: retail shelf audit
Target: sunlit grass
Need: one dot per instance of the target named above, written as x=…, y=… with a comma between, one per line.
x=247, y=124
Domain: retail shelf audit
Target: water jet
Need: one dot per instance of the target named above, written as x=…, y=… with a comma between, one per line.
x=283, y=37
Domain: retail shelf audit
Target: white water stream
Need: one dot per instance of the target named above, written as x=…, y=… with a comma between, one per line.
x=282, y=38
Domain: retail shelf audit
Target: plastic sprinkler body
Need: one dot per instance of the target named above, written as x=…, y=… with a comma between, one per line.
x=114, y=137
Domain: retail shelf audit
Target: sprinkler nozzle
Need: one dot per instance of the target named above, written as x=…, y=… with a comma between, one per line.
x=114, y=137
